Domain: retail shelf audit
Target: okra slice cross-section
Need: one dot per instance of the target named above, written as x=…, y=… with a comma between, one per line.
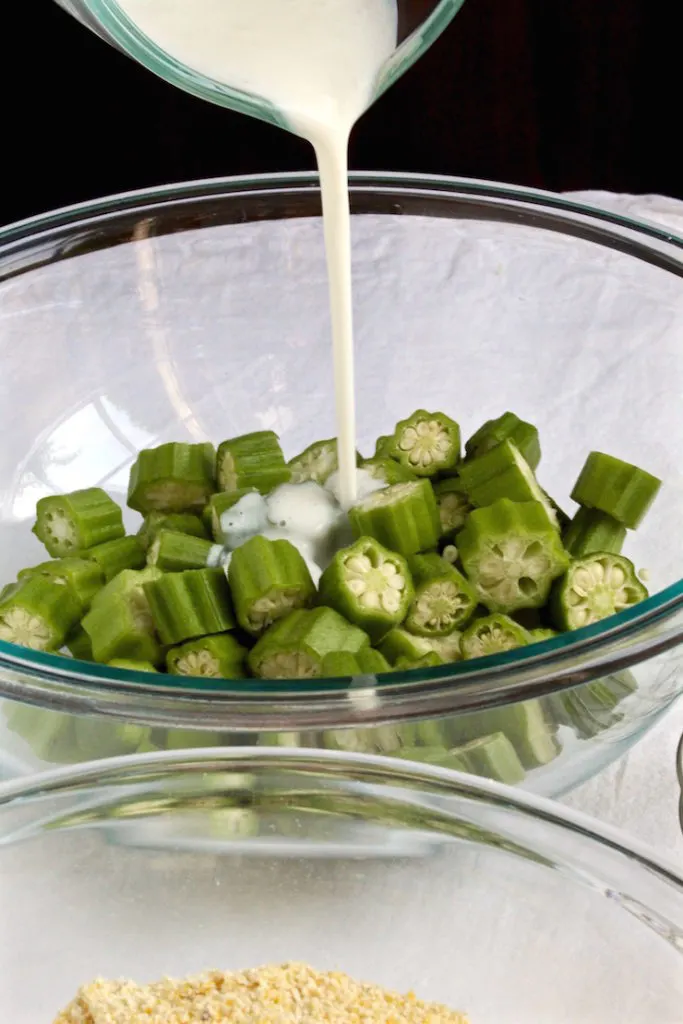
x=426, y=443
x=268, y=579
x=38, y=612
x=618, y=488
x=252, y=460
x=69, y=523
x=403, y=517
x=593, y=588
x=453, y=505
x=492, y=634
x=214, y=657
x=175, y=477
x=122, y=628
x=317, y=462
x=190, y=604
x=511, y=554
x=444, y=600
x=295, y=647
x=369, y=585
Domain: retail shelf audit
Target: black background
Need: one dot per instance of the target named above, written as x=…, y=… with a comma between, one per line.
x=560, y=94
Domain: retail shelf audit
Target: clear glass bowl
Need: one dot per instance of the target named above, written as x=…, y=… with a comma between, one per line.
x=469, y=893
x=200, y=311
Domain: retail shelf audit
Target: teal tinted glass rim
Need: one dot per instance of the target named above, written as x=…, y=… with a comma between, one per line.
x=609, y=646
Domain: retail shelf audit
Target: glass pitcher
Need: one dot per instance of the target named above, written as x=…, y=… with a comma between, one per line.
x=420, y=22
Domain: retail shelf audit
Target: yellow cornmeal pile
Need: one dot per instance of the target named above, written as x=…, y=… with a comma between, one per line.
x=290, y=994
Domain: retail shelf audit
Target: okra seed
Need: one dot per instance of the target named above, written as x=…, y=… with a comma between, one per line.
x=17, y=626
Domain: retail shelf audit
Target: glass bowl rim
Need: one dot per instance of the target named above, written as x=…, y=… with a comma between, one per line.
x=65, y=684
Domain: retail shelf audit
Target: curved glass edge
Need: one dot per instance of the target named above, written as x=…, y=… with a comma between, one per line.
x=417, y=43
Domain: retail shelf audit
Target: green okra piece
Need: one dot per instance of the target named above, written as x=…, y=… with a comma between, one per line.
x=268, y=579
x=116, y=555
x=511, y=555
x=189, y=739
x=453, y=504
x=593, y=588
x=593, y=707
x=367, y=661
x=97, y=738
x=591, y=530
x=399, y=643
x=528, y=728
x=190, y=604
x=181, y=522
x=252, y=460
x=49, y=734
x=540, y=634
x=174, y=552
x=218, y=505
x=372, y=662
x=492, y=757
x=67, y=524
x=618, y=488
x=214, y=657
x=503, y=473
x=369, y=585
x=133, y=666
x=430, y=660
x=492, y=634
x=83, y=577
x=129, y=585
x=383, y=446
x=294, y=647
x=444, y=600
x=317, y=462
x=387, y=471
x=122, y=628
x=78, y=644
x=38, y=612
x=423, y=755
x=175, y=477
x=403, y=517
x=427, y=443
x=507, y=427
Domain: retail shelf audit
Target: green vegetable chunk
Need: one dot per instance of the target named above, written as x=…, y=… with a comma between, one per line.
x=268, y=579
x=252, y=461
x=129, y=584
x=503, y=473
x=383, y=446
x=317, y=462
x=426, y=443
x=180, y=522
x=528, y=728
x=430, y=660
x=121, y=628
x=294, y=647
x=367, y=661
x=403, y=517
x=133, y=666
x=369, y=585
x=214, y=657
x=492, y=634
x=399, y=643
x=593, y=588
x=175, y=477
x=190, y=604
x=591, y=530
x=116, y=555
x=623, y=491
x=444, y=600
x=174, y=552
x=387, y=471
x=38, y=612
x=67, y=524
x=78, y=644
x=83, y=577
x=453, y=505
x=96, y=737
x=218, y=505
x=539, y=634
x=492, y=757
x=511, y=554
x=507, y=427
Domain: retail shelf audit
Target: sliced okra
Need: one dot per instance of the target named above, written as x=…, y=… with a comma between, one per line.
x=591, y=530
x=529, y=729
x=340, y=663
x=214, y=657
x=116, y=555
x=222, y=503
x=511, y=554
x=430, y=660
x=369, y=585
x=540, y=634
x=294, y=647
x=399, y=643
x=133, y=666
x=190, y=604
x=492, y=634
x=593, y=588
x=83, y=577
x=444, y=600
x=67, y=524
x=102, y=737
x=268, y=579
x=453, y=504
x=129, y=585
x=383, y=446
x=387, y=471
x=507, y=427
x=174, y=552
x=403, y=517
x=252, y=460
x=427, y=443
x=79, y=645
x=38, y=612
x=317, y=462
x=180, y=522
x=618, y=488
x=175, y=477
x=119, y=628
x=492, y=757
x=503, y=473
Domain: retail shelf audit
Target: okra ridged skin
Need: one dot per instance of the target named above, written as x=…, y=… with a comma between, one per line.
x=119, y=629
x=430, y=660
x=591, y=531
x=268, y=579
x=399, y=643
x=175, y=552
x=78, y=644
x=174, y=477
x=369, y=585
x=83, y=577
x=444, y=599
x=251, y=460
x=501, y=472
x=180, y=522
x=618, y=488
x=39, y=613
x=403, y=517
x=426, y=443
x=294, y=647
x=367, y=661
x=507, y=427
x=117, y=555
x=212, y=657
x=493, y=757
x=594, y=588
x=191, y=604
x=68, y=524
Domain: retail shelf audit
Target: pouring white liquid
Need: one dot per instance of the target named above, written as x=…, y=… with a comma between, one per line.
x=318, y=62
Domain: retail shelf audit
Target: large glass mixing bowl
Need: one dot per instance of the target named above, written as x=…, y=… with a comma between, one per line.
x=200, y=311
x=467, y=892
